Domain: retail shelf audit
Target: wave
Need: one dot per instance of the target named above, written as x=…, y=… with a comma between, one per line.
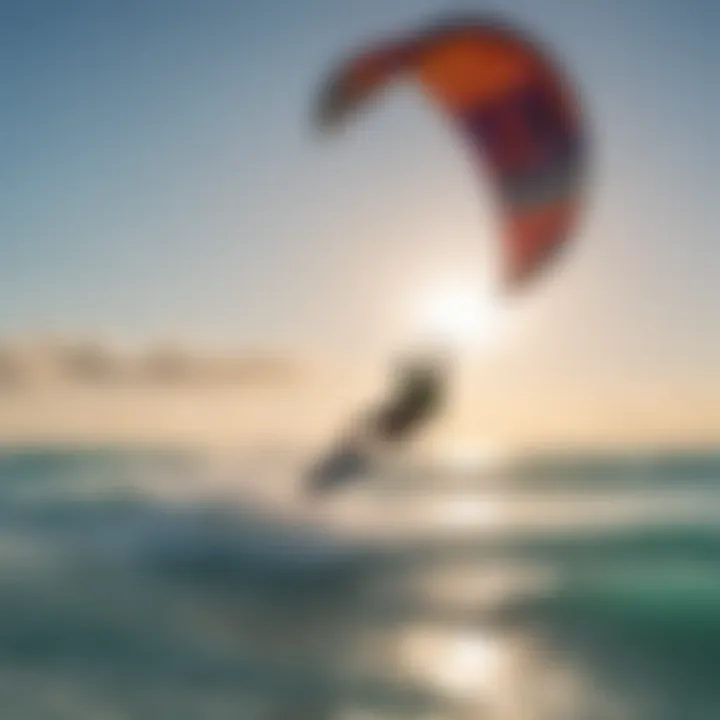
x=127, y=576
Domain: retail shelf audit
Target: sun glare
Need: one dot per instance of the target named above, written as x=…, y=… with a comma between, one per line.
x=466, y=514
x=464, y=665
x=471, y=455
x=460, y=316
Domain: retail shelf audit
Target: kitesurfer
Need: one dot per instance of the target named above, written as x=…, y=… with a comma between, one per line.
x=418, y=397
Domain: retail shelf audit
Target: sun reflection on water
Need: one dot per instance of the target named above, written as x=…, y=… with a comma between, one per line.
x=466, y=666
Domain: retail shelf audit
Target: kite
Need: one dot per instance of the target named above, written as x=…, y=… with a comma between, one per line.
x=516, y=109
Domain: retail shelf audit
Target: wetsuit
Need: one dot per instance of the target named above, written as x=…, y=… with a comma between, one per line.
x=416, y=402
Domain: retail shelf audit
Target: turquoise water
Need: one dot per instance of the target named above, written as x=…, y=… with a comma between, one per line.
x=169, y=584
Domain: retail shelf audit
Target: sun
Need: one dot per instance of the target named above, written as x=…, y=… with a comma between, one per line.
x=459, y=315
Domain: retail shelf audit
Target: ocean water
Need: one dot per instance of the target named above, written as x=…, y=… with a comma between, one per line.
x=163, y=583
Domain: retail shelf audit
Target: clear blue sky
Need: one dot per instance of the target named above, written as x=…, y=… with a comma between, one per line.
x=160, y=178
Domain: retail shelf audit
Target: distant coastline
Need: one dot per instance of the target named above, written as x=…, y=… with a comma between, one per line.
x=88, y=363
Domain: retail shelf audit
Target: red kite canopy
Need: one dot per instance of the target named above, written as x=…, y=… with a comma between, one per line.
x=512, y=103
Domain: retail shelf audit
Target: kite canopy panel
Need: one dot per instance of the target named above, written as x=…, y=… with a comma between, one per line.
x=511, y=102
